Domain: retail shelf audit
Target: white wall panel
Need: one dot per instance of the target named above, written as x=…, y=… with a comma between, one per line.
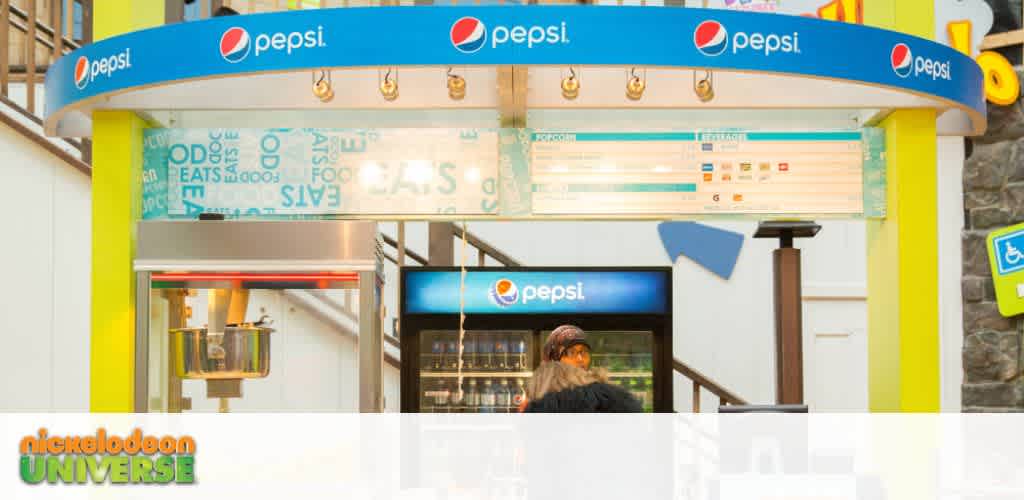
x=44, y=304
x=72, y=251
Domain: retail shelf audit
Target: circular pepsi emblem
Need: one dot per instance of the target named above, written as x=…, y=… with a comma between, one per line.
x=504, y=293
x=234, y=44
x=468, y=35
x=711, y=38
x=81, y=72
x=902, y=60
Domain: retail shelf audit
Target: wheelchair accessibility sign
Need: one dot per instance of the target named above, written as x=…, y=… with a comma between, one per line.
x=1006, y=258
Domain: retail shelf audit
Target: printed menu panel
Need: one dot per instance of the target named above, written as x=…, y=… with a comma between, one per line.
x=321, y=171
x=513, y=173
x=664, y=173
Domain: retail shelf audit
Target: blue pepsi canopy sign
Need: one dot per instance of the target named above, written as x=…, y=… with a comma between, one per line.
x=663, y=37
x=538, y=292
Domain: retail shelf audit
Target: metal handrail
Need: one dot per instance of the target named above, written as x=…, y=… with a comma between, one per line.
x=408, y=253
x=78, y=164
x=472, y=239
x=486, y=248
x=725, y=397
x=38, y=121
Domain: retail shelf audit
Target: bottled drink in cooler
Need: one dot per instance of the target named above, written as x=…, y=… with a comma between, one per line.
x=503, y=397
x=488, y=398
x=469, y=353
x=472, y=396
x=436, y=353
x=501, y=354
x=437, y=395
x=484, y=351
x=452, y=350
x=455, y=397
x=639, y=390
x=518, y=354
x=518, y=393
x=646, y=363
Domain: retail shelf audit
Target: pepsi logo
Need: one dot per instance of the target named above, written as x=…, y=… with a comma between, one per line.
x=504, y=292
x=468, y=35
x=235, y=44
x=711, y=38
x=82, y=72
x=902, y=60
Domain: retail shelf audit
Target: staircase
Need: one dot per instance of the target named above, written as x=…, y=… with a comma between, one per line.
x=37, y=32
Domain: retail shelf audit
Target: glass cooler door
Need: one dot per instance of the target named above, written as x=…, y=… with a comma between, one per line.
x=628, y=356
x=495, y=367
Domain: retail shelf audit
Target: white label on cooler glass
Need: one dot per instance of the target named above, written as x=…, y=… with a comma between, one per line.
x=489, y=400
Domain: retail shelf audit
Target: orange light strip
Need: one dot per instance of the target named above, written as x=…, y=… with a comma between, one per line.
x=255, y=277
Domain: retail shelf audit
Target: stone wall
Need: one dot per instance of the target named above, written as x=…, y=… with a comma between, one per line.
x=993, y=198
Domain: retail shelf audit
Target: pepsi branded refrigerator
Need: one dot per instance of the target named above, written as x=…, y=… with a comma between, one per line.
x=509, y=312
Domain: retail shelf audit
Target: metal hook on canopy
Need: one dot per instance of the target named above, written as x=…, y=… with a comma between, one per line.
x=389, y=87
x=635, y=85
x=456, y=85
x=705, y=87
x=571, y=85
x=322, y=87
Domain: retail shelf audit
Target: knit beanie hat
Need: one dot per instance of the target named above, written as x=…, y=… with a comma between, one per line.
x=560, y=340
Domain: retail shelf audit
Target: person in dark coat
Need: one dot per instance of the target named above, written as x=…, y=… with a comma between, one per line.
x=565, y=383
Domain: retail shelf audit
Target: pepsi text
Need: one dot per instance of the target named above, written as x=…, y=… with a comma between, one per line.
x=768, y=44
x=109, y=65
x=554, y=293
x=935, y=69
x=529, y=35
x=289, y=42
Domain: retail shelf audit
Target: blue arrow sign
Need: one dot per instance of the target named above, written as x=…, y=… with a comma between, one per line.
x=717, y=250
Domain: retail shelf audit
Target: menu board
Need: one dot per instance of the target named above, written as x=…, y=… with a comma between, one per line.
x=511, y=173
x=664, y=173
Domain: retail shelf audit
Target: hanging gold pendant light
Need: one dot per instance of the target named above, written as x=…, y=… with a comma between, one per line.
x=571, y=85
x=456, y=86
x=635, y=86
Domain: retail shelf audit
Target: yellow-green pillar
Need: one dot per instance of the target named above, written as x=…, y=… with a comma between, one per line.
x=903, y=293
x=116, y=206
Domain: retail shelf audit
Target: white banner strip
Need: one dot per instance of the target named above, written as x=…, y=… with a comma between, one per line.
x=391, y=456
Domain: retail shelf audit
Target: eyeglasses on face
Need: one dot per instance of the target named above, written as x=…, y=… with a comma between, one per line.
x=577, y=352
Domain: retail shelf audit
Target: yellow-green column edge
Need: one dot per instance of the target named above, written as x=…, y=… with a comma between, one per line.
x=903, y=302
x=116, y=206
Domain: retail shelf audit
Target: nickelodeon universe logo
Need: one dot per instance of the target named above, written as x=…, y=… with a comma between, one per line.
x=904, y=64
x=468, y=35
x=102, y=458
x=505, y=293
